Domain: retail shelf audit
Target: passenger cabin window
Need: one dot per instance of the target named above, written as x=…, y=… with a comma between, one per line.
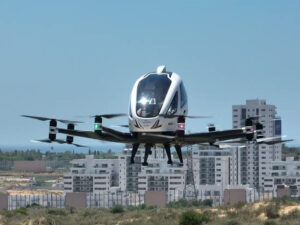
x=151, y=93
x=173, y=106
x=183, y=96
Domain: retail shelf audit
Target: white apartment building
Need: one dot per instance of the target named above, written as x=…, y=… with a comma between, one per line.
x=216, y=170
x=157, y=176
x=102, y=175
x=212, y=166
x=130, y=171
x=256, y=157
x=283, y=173
x=160, y=176
x=93, y=175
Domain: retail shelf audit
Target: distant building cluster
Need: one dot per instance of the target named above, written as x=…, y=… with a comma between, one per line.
x=102, y=175
x=207, y=171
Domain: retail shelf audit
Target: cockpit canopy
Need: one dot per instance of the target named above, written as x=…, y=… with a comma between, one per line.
x=151, y=93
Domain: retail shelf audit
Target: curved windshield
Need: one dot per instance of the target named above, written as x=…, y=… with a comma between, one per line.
x=151, y=93
x=183, y=96
x=173, y=107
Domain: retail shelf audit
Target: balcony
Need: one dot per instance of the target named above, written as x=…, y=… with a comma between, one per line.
x=78, y=165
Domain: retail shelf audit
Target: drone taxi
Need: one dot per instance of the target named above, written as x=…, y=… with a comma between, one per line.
x=157, y=112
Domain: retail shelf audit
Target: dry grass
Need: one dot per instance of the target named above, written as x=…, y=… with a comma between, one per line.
x=240, y=214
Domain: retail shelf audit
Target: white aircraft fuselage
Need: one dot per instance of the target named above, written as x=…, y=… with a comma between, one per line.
x=157, y=99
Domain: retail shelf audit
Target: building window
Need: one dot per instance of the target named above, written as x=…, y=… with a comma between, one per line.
x=243, y=113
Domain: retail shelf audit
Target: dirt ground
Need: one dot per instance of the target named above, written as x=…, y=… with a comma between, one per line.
x=19, y=183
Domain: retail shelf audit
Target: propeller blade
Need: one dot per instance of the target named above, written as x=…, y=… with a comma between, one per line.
x=46, y=118
x=126, y=126
x=190, y=117
x=43, y=140
x=198, y=117
x=234, y=142
x=64, y=142
x=231, y=145
x=106, y=116
x=273, y=140
x=80, y=146
x=59, y=141
x=161, y=136
x=109, y=116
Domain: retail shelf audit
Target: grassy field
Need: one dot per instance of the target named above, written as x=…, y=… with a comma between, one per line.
x=280, y=212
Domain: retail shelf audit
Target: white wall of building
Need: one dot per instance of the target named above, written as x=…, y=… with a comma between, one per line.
x=283, y=173
x=257, y=157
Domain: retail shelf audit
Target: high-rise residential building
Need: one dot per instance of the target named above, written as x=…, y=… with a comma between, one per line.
x=215, y=166
x=255, y=158
x=212, y=166
x=215, y=170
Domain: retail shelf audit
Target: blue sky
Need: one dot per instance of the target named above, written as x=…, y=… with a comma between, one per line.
x=68, y=58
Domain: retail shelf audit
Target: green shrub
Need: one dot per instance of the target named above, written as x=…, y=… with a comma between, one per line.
x=183, y=203
x=141, y=207
x=232, y=222
x=33, y=205
x=232, y=214
x=57, y=212
x=178, y=204
x=272, y=211
x=270, y=222
x=117, y=209
x=21, y=211
x=72, y=210
x=150, y=207
x=239, y=205
x=192, y=218
x=207, y=202
x=7, y=213
x=89, y=213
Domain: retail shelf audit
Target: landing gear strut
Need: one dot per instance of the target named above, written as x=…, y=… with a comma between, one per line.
x=147, y=153
x=133, y=152
x=168, y=151
x=179, y=153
